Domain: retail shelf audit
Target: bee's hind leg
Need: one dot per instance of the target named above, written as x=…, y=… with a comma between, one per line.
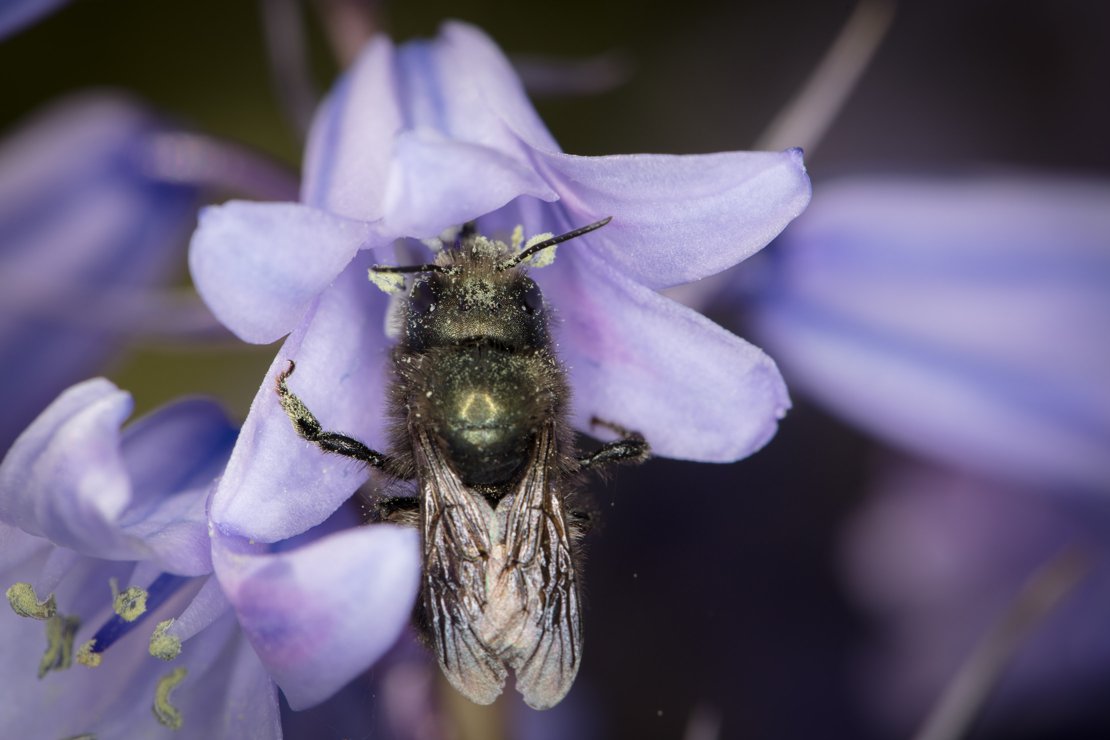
x=307, y=426
x=630, y=448
x=403, y=510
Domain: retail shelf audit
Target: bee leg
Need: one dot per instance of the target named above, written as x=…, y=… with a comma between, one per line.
x=632, y=447
x=403, y=510
x=579, y=524
x=309, y=428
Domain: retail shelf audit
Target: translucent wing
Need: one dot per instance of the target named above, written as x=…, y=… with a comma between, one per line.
x=500, y=586
x=548, y=650
x=457, y=545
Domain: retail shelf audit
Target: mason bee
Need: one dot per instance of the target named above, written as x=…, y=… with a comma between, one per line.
x=479, y=404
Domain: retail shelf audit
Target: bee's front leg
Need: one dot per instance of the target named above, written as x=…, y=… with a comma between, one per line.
x=631, y=448
x=307, y=426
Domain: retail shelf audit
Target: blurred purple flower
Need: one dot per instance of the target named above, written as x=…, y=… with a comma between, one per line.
x=83, y=231
x=412, y=141
x=939, y=557
x=97, y=196
x=15, y=15
x=88, y=512
x=963, y=319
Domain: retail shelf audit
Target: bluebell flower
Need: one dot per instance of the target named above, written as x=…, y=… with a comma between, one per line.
x=964, y=320
x=418, y=139
x=106, y=561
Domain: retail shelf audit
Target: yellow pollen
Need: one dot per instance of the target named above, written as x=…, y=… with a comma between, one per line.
x=387, y=282
x=544, y=257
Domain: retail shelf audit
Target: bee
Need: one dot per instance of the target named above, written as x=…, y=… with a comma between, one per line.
x=479, y=405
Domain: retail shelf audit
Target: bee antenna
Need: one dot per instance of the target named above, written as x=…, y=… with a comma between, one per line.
x=514, y=261
x=408, y=268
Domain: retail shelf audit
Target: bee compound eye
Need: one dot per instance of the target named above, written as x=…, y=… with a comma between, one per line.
x=422, y=298
x=532, y=298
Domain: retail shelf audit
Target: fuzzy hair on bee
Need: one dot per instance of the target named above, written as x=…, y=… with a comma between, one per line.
x=479, y=404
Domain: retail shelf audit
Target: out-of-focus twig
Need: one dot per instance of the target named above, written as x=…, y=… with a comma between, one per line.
x=290, y=73
x=806, y=118
x=550, y=77
x=349, y=24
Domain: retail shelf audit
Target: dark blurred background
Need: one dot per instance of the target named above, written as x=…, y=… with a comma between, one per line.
x=714, y=593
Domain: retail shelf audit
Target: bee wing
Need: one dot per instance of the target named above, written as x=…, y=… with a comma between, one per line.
x=456, y=551
x=537, y=538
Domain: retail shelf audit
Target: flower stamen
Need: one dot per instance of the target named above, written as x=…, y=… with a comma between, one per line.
x=163, y=646
x=60, y=631
x=25, y=602
x=167, y=713
x=129, y=604
x=88, y=657
x=130, y=611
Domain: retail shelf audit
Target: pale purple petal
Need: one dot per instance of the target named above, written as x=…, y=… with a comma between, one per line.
x=694, y=390
x=459, y=87
x=438, y=183
x=209, y=605
x=258, y=266
x=321, y=614
x=173, y=456
x=679, y=218
x=478, y=88
x=74, y=479
x=64, y=479
x=172, y=536
x=351, y=140
x=964, y=319
x=278, y=485
x=178, y=447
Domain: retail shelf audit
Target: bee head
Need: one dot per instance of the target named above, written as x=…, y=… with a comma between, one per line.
x=478, y=295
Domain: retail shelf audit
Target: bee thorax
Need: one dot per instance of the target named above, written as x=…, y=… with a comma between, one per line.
x=485, y=406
